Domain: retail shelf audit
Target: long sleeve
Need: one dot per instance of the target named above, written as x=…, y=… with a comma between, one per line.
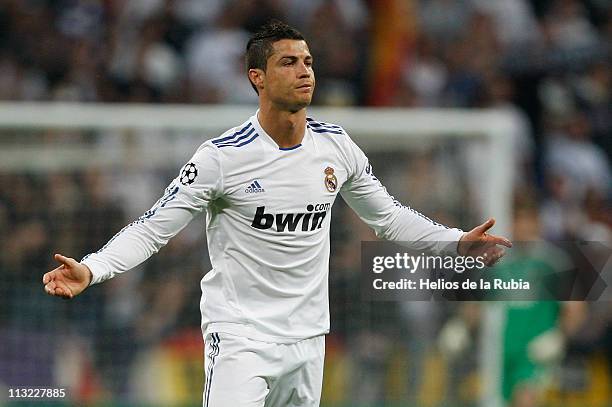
x=197, y=184
x=391, y=220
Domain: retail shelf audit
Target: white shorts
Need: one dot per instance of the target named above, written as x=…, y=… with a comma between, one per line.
x=242, y=372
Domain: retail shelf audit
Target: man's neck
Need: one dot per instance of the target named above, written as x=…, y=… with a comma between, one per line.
x=286, y=128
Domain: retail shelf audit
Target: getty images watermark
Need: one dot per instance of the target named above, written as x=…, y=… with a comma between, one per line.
x=529, y=271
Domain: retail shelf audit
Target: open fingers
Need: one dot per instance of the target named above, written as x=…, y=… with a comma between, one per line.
x=58, y=288
x=499, y=240
x=485, y=226
x=51, y=288
x=52, y=275
x=68, y=261
x=493, y=255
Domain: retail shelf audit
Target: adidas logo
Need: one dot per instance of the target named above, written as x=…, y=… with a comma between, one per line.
x=254, y=188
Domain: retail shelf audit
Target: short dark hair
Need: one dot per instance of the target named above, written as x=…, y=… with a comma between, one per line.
x=259, y=48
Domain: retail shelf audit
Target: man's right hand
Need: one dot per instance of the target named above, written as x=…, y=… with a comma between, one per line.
x=68, y=280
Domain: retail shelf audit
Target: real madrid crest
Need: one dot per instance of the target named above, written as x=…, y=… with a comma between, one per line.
x=331, y=182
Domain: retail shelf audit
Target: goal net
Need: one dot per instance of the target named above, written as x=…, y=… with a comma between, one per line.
x=72, y=175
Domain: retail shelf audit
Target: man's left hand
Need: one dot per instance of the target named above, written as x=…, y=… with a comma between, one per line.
x=477, y=242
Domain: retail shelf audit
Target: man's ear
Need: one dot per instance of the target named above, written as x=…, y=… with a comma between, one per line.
x=257, y=77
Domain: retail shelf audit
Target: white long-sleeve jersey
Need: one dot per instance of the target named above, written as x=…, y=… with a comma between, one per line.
x=268, y=218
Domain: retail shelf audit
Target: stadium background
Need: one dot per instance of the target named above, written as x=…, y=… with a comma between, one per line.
x=135, y=340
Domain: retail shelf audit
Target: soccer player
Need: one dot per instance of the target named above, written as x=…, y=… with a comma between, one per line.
x=267, y=187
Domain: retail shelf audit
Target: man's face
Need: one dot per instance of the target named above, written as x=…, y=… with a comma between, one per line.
x=289, y=78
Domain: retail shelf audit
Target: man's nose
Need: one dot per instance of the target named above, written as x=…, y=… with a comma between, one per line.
x=304, y=72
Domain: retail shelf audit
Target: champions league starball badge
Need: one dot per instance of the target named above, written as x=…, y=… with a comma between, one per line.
x=188, y=174
x=331, y=182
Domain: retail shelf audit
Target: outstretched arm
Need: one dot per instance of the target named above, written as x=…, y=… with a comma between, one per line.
x=196, y=185
x=393, y=221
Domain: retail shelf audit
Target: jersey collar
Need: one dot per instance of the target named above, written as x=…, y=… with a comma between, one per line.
x=269, y=140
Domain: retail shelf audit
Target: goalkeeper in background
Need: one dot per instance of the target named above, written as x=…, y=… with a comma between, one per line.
x=535, y=332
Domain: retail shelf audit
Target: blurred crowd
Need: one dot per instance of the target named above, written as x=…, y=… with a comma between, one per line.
x=548, y=61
